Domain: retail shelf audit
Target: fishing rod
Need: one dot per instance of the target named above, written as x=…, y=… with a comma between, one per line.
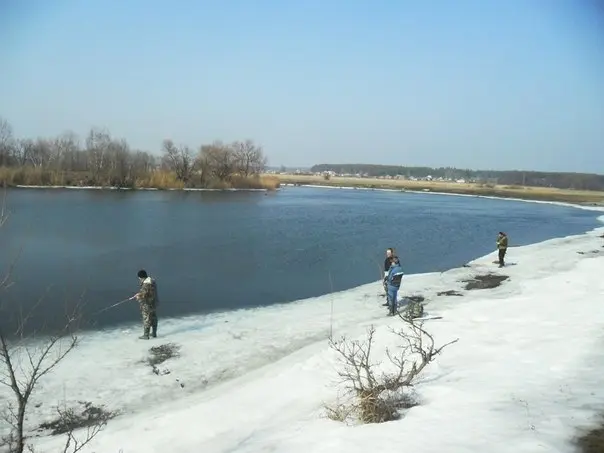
x=114, y=305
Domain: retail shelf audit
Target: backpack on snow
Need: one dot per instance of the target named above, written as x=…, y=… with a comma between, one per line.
x=414, y=309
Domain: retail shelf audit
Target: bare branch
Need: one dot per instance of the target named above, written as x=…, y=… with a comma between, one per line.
x=377, y=395
x=249, y=158
x=219, y=160
x=24, y=361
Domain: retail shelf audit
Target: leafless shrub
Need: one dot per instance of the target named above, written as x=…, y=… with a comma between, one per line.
x=93, y=418
x=69, y=419
x=24, y=361
x=376, y=393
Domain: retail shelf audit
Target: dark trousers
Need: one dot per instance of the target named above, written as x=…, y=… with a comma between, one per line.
x=502, y=256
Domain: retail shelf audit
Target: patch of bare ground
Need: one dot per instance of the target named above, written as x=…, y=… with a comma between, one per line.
x=487, y=281
x=70, y=419
x=591, y=440
x=450, y=292
x=161, y=353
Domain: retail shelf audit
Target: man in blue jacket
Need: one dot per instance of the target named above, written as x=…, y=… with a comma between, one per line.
x=393, y=283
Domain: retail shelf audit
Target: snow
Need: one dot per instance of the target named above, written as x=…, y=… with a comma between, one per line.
x=525, y=373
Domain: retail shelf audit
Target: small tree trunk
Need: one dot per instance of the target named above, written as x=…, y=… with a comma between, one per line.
x=20, y=441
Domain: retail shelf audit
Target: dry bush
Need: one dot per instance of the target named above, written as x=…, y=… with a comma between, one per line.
x=374, y=393
x=68, y=420
x=255, y=182
x=270, y=182
x=159, y=179
x=24, y=361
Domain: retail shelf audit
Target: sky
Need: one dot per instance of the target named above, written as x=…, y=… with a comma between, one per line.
x=471, y=84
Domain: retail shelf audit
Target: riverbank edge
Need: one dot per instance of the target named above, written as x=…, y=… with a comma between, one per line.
x=137, y=189
x=521, y=193
x=584, y=205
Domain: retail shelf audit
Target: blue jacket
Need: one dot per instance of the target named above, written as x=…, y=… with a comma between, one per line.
x=395, y=274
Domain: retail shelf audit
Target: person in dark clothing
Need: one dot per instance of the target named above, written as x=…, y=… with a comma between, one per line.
x=387, y=263
x=148, y=301
x=502, y=246
x=393, y=281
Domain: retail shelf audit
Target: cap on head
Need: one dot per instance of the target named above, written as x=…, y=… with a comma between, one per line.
x=142, y=273
x=395, y=260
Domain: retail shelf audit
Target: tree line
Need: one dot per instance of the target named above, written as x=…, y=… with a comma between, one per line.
x=101, y=159
x=560, y=180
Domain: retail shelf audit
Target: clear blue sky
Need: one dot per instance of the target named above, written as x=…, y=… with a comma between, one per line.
x=516, y=84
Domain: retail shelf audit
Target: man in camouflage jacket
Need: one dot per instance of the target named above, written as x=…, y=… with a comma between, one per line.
x=502, y=246
x=148, y=301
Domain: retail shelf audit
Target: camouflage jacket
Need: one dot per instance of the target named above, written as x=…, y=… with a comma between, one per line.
x=502, y=242
x=148, y=293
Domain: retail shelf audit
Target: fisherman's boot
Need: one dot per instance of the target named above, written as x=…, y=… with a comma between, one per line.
x=154, y=327
x=145, y=335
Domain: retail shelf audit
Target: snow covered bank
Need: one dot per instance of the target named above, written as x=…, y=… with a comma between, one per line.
x=525, y=372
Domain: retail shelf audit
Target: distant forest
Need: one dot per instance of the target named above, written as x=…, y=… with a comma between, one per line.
x=577, y=181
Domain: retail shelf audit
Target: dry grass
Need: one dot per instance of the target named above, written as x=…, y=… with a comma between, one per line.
x=159, y=180
x=29, y=176
x=528, y=193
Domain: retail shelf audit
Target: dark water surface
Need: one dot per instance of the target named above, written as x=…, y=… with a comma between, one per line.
x=225, y=250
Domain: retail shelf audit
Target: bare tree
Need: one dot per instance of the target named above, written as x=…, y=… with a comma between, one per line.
x=24, y=361
x=63, y=151
x=23, y=365
x=220, y=160
x=179, y=159
x=97, y=143
x=142, y=164
x=40, y=153
x=376, y=395
x=249, y=158
x=119, y=163
x=7, y=142
x=100, y=160
x=23, y=149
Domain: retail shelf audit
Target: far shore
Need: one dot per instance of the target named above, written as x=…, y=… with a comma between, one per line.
x=38, y=178
x=162, y=189
x=583, y=197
